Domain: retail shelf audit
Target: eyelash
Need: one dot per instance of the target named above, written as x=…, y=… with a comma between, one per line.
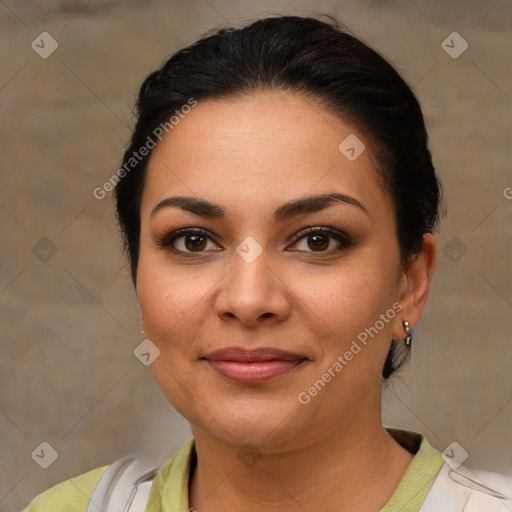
x=166, y=241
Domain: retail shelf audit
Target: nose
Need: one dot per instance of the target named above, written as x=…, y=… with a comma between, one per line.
x=253, y=292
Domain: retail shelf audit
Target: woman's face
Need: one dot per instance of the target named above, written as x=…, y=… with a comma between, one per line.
x=255, y=305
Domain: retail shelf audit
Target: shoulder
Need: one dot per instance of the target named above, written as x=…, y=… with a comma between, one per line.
x=469, y=490
x=70, y=496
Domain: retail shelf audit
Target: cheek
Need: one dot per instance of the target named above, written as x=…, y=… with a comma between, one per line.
x=171, y=309
x=348, y=299
x=346, y=307
x=169, y=304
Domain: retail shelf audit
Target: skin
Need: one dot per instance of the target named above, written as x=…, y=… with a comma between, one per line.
x=249, y=156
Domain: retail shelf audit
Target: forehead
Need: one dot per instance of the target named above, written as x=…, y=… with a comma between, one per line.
x=260, y=148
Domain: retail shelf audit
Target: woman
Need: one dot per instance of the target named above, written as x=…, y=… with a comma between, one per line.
x=278, y=203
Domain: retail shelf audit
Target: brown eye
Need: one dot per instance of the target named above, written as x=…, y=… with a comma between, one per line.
x=194, y=242
x=188, y=241
x=319, y=240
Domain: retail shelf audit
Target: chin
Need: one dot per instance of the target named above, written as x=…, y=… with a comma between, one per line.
x=268, y=416
x=262, y=423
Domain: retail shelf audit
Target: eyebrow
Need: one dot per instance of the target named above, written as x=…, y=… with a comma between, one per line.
x=294, y=208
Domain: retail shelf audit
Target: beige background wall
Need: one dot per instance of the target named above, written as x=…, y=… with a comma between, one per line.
x=69, y=325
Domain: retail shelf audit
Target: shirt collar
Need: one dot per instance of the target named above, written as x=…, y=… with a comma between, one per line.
x=169, y=492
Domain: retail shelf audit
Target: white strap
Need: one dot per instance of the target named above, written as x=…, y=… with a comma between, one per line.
x=140, y=499
x=124, y=487
x=465, y=490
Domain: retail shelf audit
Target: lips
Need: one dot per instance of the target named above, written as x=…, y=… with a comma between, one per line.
x=253, y=366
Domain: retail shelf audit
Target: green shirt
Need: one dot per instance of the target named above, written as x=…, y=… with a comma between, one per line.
x=169, y=492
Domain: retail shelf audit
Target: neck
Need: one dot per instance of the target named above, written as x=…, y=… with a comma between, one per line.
x=359, y=467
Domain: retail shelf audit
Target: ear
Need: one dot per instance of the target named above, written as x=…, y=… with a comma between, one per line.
x=415, y=286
